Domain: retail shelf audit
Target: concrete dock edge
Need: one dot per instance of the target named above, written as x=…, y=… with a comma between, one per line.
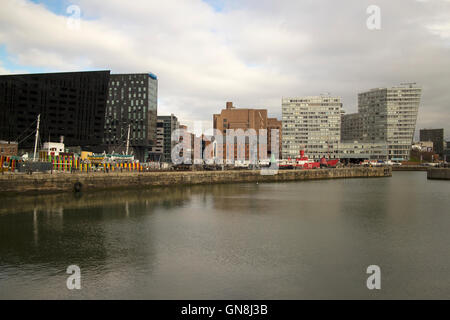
x=438, y=173
x=59, y=182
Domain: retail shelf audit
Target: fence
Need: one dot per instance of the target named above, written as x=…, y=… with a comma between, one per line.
x=65, y=164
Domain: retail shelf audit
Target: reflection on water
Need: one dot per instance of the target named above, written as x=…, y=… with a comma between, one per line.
x=291, y=240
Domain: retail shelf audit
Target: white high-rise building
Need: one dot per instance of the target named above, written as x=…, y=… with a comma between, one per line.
x=390, y=114
x=312, y=124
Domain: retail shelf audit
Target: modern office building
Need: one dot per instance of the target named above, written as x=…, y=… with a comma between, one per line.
x=351, y=127
x=447, y=151
x=352, y=148
x=70, y=104
x=390, y=114
x=312, y=124
x=166, y=125
x=437, y=137
x=132, y=104
x=356, y=151
x=158, y=149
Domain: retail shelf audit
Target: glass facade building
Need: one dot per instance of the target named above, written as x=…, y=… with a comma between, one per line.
x=351, y=127
x=70, y=104
x=132, y=103
x=167, y=125
x=390, y=115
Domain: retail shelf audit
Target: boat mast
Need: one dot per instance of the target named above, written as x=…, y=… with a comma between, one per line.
x=37, y=136
x=128, y=138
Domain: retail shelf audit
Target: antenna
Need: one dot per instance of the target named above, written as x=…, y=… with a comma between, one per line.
x=410, y=84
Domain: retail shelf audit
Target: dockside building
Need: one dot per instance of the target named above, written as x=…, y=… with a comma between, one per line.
x=132, y=106
x=70, y=104
x=312, y=124
x=390, y=115
x=165, y=127
x=437, y=137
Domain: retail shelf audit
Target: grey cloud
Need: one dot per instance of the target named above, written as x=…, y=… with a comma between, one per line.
x=252, y=52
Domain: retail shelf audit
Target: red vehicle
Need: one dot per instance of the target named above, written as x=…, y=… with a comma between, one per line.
x=303, y=162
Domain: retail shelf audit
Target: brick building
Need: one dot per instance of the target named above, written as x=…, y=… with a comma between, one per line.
x=233, y=118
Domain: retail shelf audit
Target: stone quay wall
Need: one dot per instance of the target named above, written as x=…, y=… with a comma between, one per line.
x=439, y=173
x=75, y=182
x=409, y=168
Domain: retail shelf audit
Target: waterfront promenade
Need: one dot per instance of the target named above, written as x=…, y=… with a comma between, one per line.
x=11, y=184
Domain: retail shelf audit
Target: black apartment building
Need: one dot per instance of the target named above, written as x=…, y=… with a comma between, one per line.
x=70, y=104
x=167, y=125
x=437, y=137
x=92, y=110
x=132, y=107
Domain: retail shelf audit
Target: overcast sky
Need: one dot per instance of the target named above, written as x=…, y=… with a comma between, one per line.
x=250, y=52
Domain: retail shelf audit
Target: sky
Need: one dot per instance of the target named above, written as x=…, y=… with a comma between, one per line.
x=251, y=52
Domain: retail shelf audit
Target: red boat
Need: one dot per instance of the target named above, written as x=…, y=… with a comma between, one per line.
x=303, y=162
x=328, y=163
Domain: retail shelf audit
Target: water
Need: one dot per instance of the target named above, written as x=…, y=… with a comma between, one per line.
x=295, y=240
